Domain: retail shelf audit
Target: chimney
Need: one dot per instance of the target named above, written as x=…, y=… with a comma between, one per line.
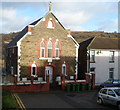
x=29, y=30
x=69, y=32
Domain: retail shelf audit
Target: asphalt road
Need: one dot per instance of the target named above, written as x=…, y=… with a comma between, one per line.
x=60, y=99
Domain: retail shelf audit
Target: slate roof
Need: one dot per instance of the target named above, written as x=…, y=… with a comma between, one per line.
x=104, y=43
x=21, y=34
x=18, y=37
x=35, y=22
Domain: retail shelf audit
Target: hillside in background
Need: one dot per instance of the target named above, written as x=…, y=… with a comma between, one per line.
x=4, y=40
x=80, y=36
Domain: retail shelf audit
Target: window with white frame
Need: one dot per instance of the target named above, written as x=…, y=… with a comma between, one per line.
x=92, y=70
x=92, y=56
x=42, y=49
x=34, y=70
x=64, y=69
x=49, y=49
x=111, y=57
x=111, y=73
x=50, y=23
x=57, y=49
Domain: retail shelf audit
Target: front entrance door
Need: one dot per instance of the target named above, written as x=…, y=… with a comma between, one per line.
x=49, y=71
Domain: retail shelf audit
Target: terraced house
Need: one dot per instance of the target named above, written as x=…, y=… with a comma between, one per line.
x=43, y=48
x=100, y=56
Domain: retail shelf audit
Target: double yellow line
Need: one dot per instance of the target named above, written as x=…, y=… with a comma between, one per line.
x=20, y=103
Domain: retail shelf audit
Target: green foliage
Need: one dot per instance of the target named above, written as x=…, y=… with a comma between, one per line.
x=8, y=101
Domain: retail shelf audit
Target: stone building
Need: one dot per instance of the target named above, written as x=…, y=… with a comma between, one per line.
x=42, y=48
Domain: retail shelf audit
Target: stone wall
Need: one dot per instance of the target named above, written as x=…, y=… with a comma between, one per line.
x=30, y=46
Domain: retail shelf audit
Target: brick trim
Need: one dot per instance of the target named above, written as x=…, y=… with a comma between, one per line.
x=46, y=48
x=53, y=22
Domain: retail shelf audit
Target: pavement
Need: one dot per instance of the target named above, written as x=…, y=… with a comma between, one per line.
x=62, y=99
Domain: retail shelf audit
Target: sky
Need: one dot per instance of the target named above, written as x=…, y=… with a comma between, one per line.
x=80, y=15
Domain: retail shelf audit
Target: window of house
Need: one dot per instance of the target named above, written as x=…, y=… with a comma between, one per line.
x=49, y=49
x=111, y=57
x=12, y=72
x=50, y=23
x=64, y=69
x=111, y=73
x=92, y=70
x=92, y=56
x=34, y=69
x=42, y=49
x=57, y=49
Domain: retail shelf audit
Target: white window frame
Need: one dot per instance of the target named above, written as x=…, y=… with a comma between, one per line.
x=92, y=56
x=93, y=70
x=111, y=71
x=41, y=48
x=57, y=49
x=50, y=24
x=34, y=65
x=112, y=56
x=64, y=66
x=50, y=47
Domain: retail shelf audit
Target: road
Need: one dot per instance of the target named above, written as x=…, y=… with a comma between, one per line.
x=61, y=99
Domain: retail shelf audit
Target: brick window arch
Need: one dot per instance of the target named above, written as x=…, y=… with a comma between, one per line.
x=50, y=23
x=50, y=49
x=42, y=49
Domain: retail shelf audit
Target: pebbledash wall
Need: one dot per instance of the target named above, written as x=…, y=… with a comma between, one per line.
x=27, y=50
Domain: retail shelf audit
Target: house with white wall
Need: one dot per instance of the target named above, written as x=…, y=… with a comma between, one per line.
x=103, y=59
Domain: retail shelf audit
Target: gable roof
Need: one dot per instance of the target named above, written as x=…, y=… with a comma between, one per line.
x=18, y=37
x=35, y=22
x=21, y=34
x=25, y=30
x=104, y=43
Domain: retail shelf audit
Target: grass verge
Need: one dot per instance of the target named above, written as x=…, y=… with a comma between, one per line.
x=8, y=101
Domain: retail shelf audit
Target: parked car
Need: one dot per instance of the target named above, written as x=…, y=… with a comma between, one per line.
x=111, y=83
x=110, y=95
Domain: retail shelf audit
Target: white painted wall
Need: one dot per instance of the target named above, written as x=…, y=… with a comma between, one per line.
x=102, y=66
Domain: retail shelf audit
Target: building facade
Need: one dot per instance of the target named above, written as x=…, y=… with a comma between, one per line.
x=42, y=48
x=103, y=59
x=99, y=56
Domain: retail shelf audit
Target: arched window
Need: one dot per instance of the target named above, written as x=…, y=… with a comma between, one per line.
x=34, y=69
x=42, y=49
x=57, y=49
x=64, y=69
x=50, y=24
x=49, y=49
